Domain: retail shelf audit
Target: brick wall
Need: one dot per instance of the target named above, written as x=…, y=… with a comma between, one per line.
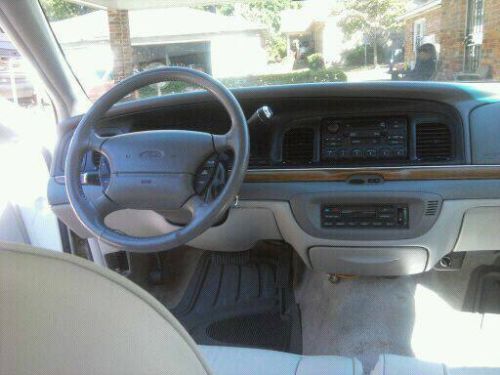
x=432, y=27
x=453, y=22
x=119, y=36
x=490, y=53
x=449, y=24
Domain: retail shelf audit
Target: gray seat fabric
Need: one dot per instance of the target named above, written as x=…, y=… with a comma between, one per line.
x=230, y=361
x=60, y=314
x=389, y=364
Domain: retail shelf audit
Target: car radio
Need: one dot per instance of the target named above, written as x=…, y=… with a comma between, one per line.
x=388, y=216
x=364, y=139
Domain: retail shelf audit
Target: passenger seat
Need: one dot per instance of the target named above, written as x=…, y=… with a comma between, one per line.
x=390, y=364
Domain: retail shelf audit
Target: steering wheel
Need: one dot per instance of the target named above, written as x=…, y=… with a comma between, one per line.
x=155, y=170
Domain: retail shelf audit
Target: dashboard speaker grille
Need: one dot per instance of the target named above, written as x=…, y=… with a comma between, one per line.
x=298, y=146
x=433, y=142
x=431, y=208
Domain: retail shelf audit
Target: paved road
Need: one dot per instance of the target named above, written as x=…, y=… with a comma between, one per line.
x=368, y=74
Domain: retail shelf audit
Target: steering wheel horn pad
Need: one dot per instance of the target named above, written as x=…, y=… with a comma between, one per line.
x=155, y=170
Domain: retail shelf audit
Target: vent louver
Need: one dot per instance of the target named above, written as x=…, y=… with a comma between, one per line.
x=433, y=142
x=298, y=146
x=431, y=208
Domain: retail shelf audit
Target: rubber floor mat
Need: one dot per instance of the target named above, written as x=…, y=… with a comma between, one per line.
x=243, y=299
x=483, y=293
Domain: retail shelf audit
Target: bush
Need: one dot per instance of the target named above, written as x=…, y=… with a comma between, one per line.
x=276, y=49
x=316, y=61
x=356, y=56
x=305, y=76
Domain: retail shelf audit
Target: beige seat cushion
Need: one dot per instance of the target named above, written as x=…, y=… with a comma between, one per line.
x=231, y=361
x=63, y=315
x=389, y=364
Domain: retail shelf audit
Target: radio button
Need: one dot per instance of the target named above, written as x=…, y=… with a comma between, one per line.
x=342, y=153
x=397, y=124
x=333, y=127
x=400, y=152
x=357, y=153
x=385, y=153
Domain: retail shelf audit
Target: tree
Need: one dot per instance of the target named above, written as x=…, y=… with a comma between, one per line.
x=268, y=12
x=264, y=12
x=56, y=10
x=375, y=20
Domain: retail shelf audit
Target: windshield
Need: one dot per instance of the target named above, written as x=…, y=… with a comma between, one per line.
x=269, y=42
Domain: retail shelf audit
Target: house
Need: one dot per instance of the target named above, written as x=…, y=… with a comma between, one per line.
x=465, y=32
x=314, y=29
x=217, y=44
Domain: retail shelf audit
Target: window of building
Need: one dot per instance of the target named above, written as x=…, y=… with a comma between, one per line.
x=474, y=35
x=418, y=33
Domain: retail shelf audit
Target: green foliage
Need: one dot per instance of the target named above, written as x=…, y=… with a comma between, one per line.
x=375, y=20
x=316, y=61
x=56, y=10
x=276, y=48
x=225, y=9
x=356, y=56
x=266, y=13
x=305, y=76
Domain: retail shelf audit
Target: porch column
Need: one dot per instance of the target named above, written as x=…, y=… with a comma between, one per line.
x=119, y=38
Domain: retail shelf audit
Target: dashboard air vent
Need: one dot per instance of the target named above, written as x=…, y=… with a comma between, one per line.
x=433, y=142
x=298, y=146
x=431, y=208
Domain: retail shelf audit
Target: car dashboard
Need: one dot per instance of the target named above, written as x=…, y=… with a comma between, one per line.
x=379, y=178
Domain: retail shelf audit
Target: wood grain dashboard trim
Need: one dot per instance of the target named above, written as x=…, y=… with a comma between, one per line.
x=456, y=172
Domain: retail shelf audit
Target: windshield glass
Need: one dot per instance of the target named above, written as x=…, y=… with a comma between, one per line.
x=269, y=42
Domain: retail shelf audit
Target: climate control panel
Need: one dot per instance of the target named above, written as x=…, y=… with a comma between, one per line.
x=389, y=216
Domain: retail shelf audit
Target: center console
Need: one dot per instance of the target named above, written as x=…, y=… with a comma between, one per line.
x=360, y=232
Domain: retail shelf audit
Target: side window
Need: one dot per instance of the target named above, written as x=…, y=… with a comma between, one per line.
x=27, y=136
x=25, y=108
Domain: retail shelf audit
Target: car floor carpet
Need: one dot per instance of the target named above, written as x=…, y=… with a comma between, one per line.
x=483, y=294
x=419, y=316
x=243, y=299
